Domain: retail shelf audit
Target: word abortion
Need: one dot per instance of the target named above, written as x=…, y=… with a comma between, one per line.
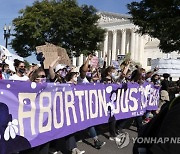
x=65, y=108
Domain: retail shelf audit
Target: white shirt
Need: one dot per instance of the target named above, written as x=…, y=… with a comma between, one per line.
x=16, y=77
x=80, y=80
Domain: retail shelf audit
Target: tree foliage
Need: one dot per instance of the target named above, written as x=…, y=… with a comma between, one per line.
x=159, y=19
x=62, y=23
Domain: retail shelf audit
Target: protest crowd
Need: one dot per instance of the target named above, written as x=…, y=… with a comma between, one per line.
x=60, y=73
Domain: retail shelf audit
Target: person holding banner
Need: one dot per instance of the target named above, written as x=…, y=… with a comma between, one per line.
x=38, y=76
x=71, y=77
x=82, y=79
x=109, y=76
x=70, y=141
x=139, y=76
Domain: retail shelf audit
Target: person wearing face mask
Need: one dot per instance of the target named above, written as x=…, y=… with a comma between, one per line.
x=20, y=71
x=71, y=77
x=6, y=72
x=38, y=76
x=107, y=76
x=70, y=141
x=57, y=71
x=82, y=79
x=155, y=80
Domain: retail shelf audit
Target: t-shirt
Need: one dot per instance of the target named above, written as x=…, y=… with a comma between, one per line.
x=16, y=77
x=5, y=76
x=80, y=80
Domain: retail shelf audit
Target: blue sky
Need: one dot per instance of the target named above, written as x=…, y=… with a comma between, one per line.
x=9, y=10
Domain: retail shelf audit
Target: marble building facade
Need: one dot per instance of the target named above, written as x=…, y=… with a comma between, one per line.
x=121, y=38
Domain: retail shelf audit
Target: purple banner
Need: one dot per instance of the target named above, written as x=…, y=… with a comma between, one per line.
x=32, y=114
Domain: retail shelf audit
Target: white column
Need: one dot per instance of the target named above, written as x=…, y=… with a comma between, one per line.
x=127, y=45
x=105, y=44
x=80, y=60
x=108, y=57
x=123, y=41
x=99, y=54
x=118, y=52
x=114, y=46
x=141, y=51
x=74, y=61
x=137, y=47
x=132, y=47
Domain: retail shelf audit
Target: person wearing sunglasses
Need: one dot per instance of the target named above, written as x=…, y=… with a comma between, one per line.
x=20, y=71
x=38, y=76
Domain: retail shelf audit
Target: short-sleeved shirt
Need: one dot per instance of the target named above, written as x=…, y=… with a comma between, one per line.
x=80, y=80
x=16, y=77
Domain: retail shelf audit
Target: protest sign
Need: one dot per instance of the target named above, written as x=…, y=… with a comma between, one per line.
x=120, y=57
x=51, y=52
x=101, y=62
x=116, y=64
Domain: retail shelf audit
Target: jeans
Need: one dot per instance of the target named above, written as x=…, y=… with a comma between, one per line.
x=112, y=126
x=70, y=142
x=92, y=132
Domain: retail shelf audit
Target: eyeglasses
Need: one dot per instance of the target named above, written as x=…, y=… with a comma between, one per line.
x=41, y=76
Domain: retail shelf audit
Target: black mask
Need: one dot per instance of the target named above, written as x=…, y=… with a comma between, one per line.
x=8, y=71
x=155, y=80
x=22, y=70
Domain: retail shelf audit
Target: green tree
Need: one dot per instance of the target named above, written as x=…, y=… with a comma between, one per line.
x=27, y=65
x=159, y=19
x=62, y=23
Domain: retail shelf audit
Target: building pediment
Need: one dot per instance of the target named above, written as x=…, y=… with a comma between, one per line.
x=108, y=18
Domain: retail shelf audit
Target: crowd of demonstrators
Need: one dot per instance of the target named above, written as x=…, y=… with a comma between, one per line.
x=61, y=73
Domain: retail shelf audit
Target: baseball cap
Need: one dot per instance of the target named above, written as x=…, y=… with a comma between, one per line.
x=59, y=66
